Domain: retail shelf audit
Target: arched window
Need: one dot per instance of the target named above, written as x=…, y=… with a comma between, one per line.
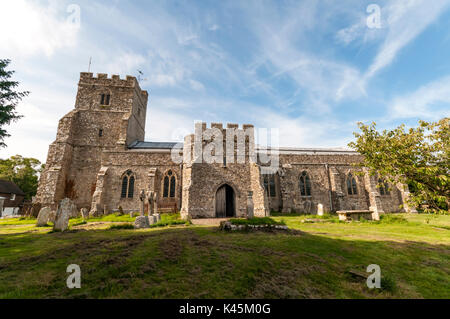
x=351, y=185
x=383, y=187
x=269, y=185
x=169, y=184
x=127, y=185
x=305, y=184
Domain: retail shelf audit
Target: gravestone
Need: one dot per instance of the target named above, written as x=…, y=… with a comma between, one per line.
x=141, y=222
x=158, y=217
x=63, y=213
x=250, y=205
x=320, y=209
x=44, y=216
x=152, y=219
x=84, y=213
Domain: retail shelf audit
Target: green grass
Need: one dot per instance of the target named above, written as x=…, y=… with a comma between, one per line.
x=256, y=221
x=203, y=262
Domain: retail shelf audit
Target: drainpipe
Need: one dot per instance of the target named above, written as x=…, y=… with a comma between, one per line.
x=329, y=184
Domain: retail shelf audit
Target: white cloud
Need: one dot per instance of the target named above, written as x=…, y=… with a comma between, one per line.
x=405, y=21
x=30, y=29
x=196, y=85
x=431, y=101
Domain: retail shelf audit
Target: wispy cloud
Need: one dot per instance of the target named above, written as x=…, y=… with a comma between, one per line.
x=30, y=29
x=405, y=21
x=431, y=101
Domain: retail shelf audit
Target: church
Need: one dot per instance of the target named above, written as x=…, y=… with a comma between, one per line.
x=101, y=161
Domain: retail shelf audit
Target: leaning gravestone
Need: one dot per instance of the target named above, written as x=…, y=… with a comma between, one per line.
x=141, y=222
x=84, y=213
x=44, y=216
x=62, y=215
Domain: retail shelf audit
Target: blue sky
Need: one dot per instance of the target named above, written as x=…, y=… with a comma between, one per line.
x=312, y=69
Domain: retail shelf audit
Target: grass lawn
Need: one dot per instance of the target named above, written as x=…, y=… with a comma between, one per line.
x=180, y=261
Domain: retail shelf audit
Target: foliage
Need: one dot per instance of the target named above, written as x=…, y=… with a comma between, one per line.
x=122, y=226
x=418, y=157
x=9, y=99
x=23, y=171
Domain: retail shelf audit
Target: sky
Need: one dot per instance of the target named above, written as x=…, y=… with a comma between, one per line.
x=311, y=69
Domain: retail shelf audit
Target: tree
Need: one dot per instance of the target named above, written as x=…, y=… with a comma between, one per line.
x=9, y=98
x=24, y=172
x=418, y=157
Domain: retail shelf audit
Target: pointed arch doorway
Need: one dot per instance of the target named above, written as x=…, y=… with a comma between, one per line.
x=225, y=202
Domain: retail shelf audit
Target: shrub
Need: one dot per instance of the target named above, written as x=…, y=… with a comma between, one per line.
x=122, y=226
x=388, y=284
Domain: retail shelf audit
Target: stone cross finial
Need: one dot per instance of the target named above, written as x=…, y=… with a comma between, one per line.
x=142, y=197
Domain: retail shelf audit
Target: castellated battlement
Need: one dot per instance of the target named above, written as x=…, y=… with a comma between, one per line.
x=88, y=78
x=220, y=126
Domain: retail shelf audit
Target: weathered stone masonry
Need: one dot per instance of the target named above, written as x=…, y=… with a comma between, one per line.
x=99, y=159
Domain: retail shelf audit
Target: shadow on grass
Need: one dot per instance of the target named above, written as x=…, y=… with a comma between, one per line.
x=201, y=262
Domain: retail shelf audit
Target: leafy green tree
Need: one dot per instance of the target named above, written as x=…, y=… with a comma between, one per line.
x=418, y=157
x=9, y=98
x=24, y=172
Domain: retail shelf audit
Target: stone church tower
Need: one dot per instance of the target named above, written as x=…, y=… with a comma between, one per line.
x=109, y=115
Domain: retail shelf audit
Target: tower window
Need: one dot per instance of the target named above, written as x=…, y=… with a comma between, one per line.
x=105, y=99
x=100, y=132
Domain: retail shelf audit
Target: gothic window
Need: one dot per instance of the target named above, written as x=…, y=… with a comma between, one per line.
x=127, y=185
x=305, y=184
x=104, y=100
x=383, y=187
x=351, y=185
x=269, y=185
x=169, y=184
x=100, y=132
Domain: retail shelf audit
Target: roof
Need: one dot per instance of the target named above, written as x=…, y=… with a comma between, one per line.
x=8, y=187
x=142, y=145
x=154, y=145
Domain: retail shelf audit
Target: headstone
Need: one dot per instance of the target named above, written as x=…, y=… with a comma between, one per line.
x=320, y=209
x=141, y=222
x=63, y=215
x=44, y=216
x=158, y=217
x=2, y=202
x=152, y=219
x=155, y=204
x=250, y=206
x=84, y=213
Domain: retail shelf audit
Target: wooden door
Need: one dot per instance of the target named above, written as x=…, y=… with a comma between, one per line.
x=221, y=204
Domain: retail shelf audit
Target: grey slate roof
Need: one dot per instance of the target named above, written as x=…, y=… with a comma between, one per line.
x=153, y=145
x=7, y=187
